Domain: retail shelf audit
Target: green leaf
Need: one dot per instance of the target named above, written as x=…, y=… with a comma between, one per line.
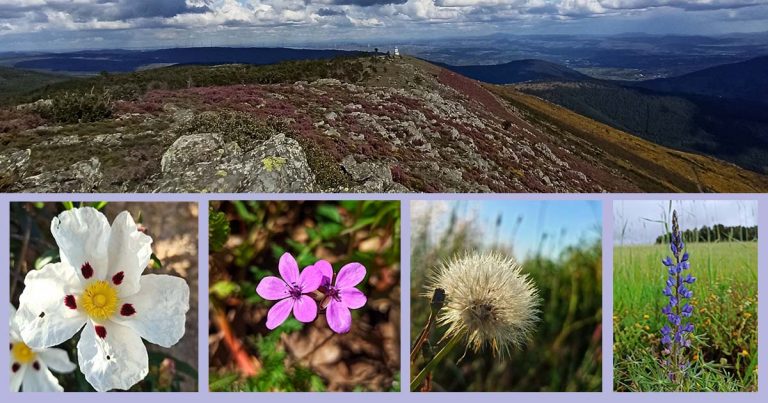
x=155, y=262
x=99, y=205
x=329, y=231
x=218, y=230
x=360, y=224
x=329, y=212
x=223, y=384
x=224, y=289
x=68, y=205
x=48, y=256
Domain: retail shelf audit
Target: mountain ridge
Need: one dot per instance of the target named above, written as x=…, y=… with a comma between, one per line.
x=360, y=124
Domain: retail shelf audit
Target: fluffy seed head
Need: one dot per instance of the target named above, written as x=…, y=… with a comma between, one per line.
x=488, y=299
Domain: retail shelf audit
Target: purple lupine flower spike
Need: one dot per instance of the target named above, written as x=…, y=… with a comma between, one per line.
x=291, y=292
x=677, y=335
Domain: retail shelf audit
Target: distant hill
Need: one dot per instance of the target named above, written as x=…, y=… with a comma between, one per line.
x=746, y=80
x=119, y=60
x=519, y=71
x=732, y=130
x=16, y=81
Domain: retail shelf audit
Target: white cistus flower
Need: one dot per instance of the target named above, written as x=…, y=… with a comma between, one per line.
x=99, y=285
x=31, y=368
x=488, y=299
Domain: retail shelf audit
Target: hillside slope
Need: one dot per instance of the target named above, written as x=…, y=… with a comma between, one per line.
x=370, y=124
x=731, y=130
x=16, y=81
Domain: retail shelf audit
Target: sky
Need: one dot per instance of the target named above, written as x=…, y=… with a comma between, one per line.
x=93, y=24
x=523, y=223
x=639, y=221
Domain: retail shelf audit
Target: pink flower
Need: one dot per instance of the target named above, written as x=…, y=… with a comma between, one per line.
x=291, y=290
x=342, y=296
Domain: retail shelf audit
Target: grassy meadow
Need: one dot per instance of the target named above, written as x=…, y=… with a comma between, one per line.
x=724, y=352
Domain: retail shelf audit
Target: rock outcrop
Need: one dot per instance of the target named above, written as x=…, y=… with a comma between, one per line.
x=13, y=166
x=81, y=177
x=204, y=162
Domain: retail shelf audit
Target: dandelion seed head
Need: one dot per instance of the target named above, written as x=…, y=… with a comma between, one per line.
x=488, y=299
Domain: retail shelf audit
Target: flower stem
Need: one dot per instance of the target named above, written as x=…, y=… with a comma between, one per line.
x=438, y=298
x=416, y=382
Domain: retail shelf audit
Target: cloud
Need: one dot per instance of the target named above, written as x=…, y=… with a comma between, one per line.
x=327, y=12
x=366, y=3
x=356, y=18
x=691, y=5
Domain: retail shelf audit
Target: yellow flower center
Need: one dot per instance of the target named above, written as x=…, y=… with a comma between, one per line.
x=99, y=300
x=22, y=353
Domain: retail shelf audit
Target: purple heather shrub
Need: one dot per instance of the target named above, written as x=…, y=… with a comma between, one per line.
x=676, y=336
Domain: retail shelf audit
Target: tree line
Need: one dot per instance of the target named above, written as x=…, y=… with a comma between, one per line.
x=716, y=233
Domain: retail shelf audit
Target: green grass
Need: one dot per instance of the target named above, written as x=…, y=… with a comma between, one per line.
x=725, y=317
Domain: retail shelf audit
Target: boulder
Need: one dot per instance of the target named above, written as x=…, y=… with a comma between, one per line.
x=13, y=166
x=205, y=163
x=371, y=177
x=81, y=177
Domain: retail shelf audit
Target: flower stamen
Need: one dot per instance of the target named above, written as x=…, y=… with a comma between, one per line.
x=21, y=353
x=99, y=300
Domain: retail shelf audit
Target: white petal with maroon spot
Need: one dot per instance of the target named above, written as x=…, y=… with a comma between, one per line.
x=17, y=377
x=82, y=235
x=30, y=379
x=161, y=306
x=40, y=380
x=42, y=319
x=129, y=252
x=118, y=361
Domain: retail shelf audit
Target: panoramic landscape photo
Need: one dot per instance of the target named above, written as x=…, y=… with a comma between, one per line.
x=383, y=96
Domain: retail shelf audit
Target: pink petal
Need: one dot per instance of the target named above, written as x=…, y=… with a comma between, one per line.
x=279, y=313
x=338, y=316
x=289, y=269
x=350, y=275
x=310, y=279
x=305, y=309
x=327, y=271
x=272, y=288
x=352, y=298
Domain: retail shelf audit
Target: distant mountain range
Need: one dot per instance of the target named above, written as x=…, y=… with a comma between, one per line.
x=519, y=71
x=746, y=80
x=119, y=60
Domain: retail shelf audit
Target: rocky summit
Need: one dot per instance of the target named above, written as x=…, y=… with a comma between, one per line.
x=385, y=125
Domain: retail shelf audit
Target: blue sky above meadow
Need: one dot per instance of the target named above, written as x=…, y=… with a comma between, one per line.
x=526, y=227
x=86, y=24
x=641, y=221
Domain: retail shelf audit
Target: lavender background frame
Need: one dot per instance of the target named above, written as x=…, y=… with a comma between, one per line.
x=203, y=395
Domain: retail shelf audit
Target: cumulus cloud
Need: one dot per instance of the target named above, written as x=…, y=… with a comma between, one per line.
x=366, y=3
x=397, y=17
x=682, y=4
